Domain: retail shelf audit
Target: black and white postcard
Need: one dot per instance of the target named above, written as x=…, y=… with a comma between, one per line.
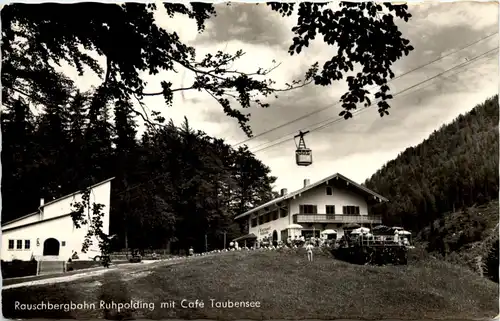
x=250, y=161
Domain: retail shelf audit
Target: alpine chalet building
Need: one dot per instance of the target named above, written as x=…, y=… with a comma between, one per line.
x=331, y=203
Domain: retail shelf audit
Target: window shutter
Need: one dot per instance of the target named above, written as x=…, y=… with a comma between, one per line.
x=344, y=209
x=315, y=209
x=301, y=209
x=333, y=209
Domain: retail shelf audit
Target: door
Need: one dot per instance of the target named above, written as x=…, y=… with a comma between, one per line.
x=284, y=235
x=51, y=247
x=275, y=238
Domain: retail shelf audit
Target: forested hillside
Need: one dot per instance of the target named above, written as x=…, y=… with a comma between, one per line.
x=446, y=188
x=456, y=167
x=173, y=186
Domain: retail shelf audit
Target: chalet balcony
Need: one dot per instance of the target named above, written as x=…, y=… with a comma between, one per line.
x=336, y=218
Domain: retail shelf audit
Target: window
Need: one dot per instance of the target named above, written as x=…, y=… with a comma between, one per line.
x=308, y=209
x=350, y=210
x=267, y=218
x=27, y=244
x=11, y=244
x=63, y=243
x=330, y=209
x=329, y=190
x=254, y=222
x=261, y=219
x=310, y=233
x=283, y=212
x=19, y=244
x=275, y=215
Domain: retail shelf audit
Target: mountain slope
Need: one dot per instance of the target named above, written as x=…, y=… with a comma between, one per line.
x=445, y=188
x=464, y=236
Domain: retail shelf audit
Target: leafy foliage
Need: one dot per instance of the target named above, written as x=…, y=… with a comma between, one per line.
x=93, y=221
x=492, y=261
x=363, y=33
x=35, y=39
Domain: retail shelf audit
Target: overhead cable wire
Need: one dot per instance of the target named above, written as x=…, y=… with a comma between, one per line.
x=336, y=104
x=331, y=122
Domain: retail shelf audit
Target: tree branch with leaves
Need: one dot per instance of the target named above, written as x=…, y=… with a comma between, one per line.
x=91, y=215
x=38, y=38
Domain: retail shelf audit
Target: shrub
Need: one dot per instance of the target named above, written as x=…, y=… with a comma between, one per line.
x=18, y=268
x=492, y=262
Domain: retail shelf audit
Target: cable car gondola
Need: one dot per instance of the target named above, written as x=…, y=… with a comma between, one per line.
x=303, y=155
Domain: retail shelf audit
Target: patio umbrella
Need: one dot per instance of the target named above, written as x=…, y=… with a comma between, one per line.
x=362, y=230
x=380, y=228
x=397, y=228
x=403, y=232
x=355, y=232
x=352, y=226
x=294, y=229
x=327, y=232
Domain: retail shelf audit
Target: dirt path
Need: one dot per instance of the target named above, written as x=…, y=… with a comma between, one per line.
x=132, y=268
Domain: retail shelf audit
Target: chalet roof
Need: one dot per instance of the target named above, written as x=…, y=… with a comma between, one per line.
x=309, y=187
x=54, y=201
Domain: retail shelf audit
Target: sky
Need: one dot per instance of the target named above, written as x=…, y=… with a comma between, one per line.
x=357, y=147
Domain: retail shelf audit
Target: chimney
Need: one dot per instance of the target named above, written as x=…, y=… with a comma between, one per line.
x=284, y=191
x=42, y=202
x=306, y=182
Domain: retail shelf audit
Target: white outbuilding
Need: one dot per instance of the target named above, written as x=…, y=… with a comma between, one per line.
x=49, y=234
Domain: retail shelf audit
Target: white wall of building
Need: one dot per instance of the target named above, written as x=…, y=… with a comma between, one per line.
x=99, y=195
x=54, y=223
x=341, y=197
x=32, y=218
x=267, y=229
x=62, y=229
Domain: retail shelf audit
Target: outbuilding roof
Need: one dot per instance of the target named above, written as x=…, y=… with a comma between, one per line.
x=51, y=202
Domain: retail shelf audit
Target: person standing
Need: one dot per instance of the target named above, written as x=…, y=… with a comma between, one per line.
x=396, y=238
x=309, y=250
